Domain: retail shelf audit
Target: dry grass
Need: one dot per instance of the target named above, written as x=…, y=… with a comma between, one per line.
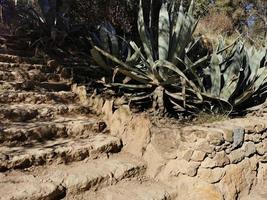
x=215, y=24
x=203, y=118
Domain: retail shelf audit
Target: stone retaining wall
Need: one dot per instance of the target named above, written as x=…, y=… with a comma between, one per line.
x=222, y=160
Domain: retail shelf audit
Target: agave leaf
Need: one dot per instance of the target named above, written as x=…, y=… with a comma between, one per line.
x=225, y=105
x=99, y=59
x=215, y=75
x=199, y=62
x=182, y=35
x=177, y=107
x=133, y=59
x=232, y=74
x=221, y=45
x=137, y=49
x=172, y=67
x=244, y=96
x=126, y=69
x=163, y=32
x=191, y=8
x=114, y=47
x=176, y=30
x=131, y=86
x=192, y=68
x=140, y=97
x=144, y=35
x=192, y=45
x=104, y=38
x=262, y=78
x=230, y=86
x=255, y=58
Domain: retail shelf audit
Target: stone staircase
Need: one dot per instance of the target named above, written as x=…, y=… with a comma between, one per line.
x=51, y=146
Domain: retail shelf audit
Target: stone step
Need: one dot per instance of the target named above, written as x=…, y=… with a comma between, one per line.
x=21, y=133
x=97, y=174
x=6, y=58
x=8, y=66
x=20, y=186
x=9, y=37
x=87, y=71
x=23, y=53
x=57, y=181
x=8, y=97
x=20, y=75
x=36, y=86
x=16, y=45
x=130, y=190
x=32, y=113
x=61, y=150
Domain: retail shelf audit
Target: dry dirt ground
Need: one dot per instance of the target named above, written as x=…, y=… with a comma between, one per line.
x=53, y=147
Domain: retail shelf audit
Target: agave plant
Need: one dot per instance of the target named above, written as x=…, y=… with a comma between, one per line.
x=47, y=22
x=237, y=78
x=155, y=72
x=106, y=38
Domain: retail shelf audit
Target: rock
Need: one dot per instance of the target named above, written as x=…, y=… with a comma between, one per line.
x=249, y=149
x=238, y=179
x=262, y=147
x=253, y=137
x=119, y=119
x=236, y=156
x=131, y=191
x=228, y=136
x=20, y=186
x=96, y=174
x=262, y=173
x=107, y=111
x=187, y=155
x=189, y=134
x=203, y=145
x=193, y=188
x=220, y=160
x=215, y=138
x=198, y=156
x=155, y=161
x=134, y=131
x=211, y=175
x=176, y=167
x=52, y=63
x=238, y=137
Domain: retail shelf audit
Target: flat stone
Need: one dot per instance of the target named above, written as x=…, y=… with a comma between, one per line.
x=131, y=191
x=203, y=145
x=249, y=149
x=211, y=175
x=95, y=174
x=239, y=134
x=239, y=179
x=59, y=150
x=187, y=155
x=20, y=186
x=236, y=156
x=228, y=136
x=262, y=147
x=215, y=138
x=220, y=160
x=176, y=167
x=198, y=156
x=37, y=98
